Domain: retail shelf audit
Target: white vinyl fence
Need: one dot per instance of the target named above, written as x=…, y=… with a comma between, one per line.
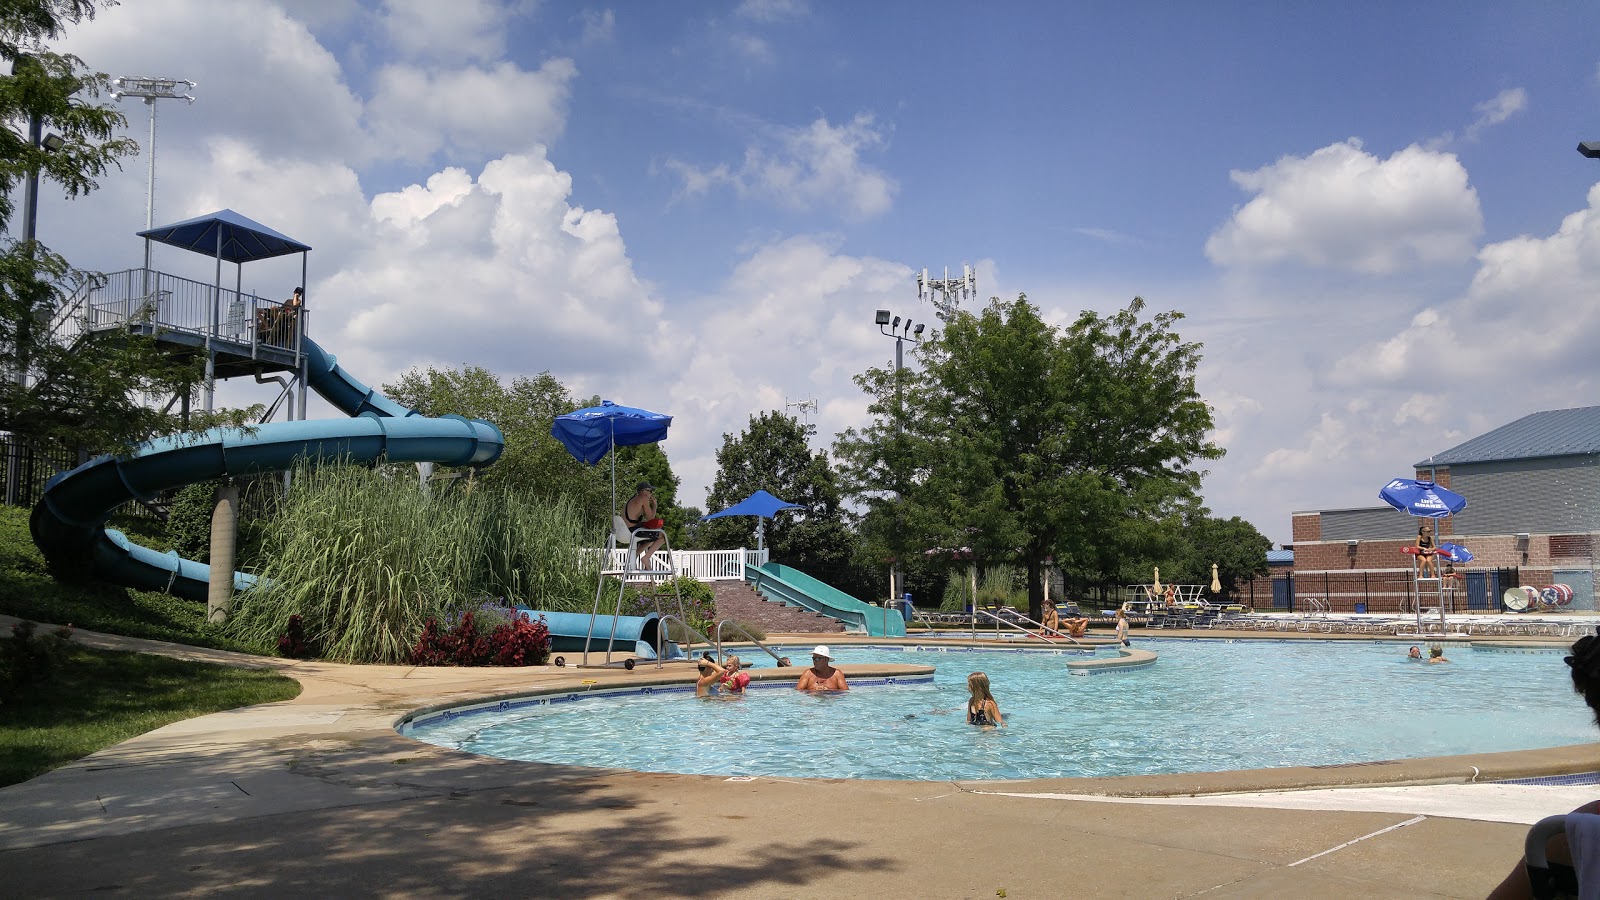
x=706, y=565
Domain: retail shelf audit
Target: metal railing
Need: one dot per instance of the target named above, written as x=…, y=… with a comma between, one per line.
x=663, y=639
x=748, y=636
x=1012, y=625
x=147, y=297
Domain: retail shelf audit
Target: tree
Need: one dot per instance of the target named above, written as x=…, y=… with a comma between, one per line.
x=534, y=462
x=95, y=392
x=773, y=455
x=1023, y=441
x=1238, y=550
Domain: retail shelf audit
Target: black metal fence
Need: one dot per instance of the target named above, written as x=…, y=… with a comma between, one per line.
x=25, y=466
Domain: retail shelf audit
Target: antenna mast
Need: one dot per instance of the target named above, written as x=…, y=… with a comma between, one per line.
x=947, y=293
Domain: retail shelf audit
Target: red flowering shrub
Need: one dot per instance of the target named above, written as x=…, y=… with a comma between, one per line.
x=292, y=643
x=521, y=642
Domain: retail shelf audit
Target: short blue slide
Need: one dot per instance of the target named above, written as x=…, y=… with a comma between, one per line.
x=68, y=521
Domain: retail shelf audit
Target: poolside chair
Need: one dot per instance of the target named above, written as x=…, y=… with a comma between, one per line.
x=1582, y=878
x=622, y=537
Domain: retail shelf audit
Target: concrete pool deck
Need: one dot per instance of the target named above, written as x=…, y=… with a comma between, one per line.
x=319, y=795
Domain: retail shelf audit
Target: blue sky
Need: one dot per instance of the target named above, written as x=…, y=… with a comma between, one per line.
x=1371, y=214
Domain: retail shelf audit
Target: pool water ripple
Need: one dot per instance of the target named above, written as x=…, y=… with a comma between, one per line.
x=1205, y=706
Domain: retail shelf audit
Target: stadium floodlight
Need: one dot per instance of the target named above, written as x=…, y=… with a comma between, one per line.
x=150, y=90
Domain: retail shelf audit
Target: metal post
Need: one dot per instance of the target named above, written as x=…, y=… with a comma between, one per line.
x=30, y=219
x=150, y=90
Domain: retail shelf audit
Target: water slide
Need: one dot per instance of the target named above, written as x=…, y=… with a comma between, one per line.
x=794, y=587
x=68, y=521
x=635, y=635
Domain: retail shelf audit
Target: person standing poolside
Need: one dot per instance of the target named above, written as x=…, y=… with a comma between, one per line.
x=1051, y=618
x=981, y=708
x=822, y=676
x=1122, y=627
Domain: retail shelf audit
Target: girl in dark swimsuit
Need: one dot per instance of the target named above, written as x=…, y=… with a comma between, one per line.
x=981, y=708
x=1427, y=565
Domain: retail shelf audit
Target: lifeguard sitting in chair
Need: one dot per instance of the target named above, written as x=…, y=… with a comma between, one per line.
x=639, y=514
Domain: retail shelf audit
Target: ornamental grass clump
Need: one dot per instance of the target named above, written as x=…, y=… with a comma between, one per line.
x=365, y=558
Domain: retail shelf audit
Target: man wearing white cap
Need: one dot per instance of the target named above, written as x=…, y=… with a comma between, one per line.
x=822, y=676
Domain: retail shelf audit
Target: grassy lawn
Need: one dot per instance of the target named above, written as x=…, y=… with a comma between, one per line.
x=27, y=590
x=99, y=698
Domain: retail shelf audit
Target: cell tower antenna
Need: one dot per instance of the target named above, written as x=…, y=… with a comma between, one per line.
x=947, y=293
x=807, y=408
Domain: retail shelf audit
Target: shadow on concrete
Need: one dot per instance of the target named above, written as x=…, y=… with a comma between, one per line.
x=560, y=836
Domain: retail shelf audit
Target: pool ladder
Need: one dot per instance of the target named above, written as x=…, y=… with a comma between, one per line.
x=1026, y=632
x=748, y=636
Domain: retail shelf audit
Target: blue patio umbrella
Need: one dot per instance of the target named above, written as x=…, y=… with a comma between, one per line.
x=1426, y=500
x=1455, y=552
x=590, y=433
x=760, y=504
x=1422, y=498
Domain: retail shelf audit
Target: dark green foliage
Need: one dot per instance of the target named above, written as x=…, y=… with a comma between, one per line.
x=189, y=520
x=30, y=658
x=90, y=394
x=28, y=591
x=1025, y=442
x=773, y=455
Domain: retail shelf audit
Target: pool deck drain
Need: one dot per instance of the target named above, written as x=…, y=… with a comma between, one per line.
x=318, y=795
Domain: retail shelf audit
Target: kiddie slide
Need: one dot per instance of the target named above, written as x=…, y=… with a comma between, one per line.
x=68, y=521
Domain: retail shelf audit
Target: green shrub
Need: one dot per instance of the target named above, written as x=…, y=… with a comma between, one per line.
x=699, y=605
x=28, y=658
x=189, y=520
x=366, y=559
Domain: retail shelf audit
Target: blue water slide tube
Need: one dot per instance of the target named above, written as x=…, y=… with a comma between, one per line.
x=68, y=521
x=636, y=635
x=794, y=587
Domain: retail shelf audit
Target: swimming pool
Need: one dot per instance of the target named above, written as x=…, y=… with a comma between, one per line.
x=1206, y=706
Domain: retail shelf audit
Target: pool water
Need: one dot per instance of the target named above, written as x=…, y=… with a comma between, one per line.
x=1205, y=706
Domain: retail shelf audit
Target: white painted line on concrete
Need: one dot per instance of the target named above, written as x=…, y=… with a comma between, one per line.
x=1411, y=821
x=1519, y=804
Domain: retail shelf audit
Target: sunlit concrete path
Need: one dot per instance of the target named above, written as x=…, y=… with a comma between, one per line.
x=319, y=796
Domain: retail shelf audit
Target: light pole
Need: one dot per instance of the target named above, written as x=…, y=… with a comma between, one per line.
x=30, y=231
x=150, y=90
x=892, y=328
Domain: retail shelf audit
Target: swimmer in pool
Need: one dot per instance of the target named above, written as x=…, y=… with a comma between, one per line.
x=822, y=676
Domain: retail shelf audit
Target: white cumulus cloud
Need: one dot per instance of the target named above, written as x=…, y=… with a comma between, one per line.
x=414, y=112
x=818, y=166
x=1342, y=207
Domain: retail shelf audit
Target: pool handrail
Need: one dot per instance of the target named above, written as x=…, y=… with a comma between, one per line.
x=1010, y=624
x=662, y=639
x=748, y=636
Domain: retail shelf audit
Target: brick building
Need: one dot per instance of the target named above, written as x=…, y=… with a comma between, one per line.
x=1532, y=516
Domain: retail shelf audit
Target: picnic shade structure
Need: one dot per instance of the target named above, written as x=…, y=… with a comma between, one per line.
x=1425, y=500
x=763, y=506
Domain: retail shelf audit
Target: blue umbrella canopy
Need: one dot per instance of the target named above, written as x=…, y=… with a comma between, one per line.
x=1422, y=498
x=760, y=504
x=589, y=434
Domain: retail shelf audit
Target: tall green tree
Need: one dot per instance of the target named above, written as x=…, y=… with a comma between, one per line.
x=534, y=463
x=94, y=392
x=1025, y=442
x=773, y=454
